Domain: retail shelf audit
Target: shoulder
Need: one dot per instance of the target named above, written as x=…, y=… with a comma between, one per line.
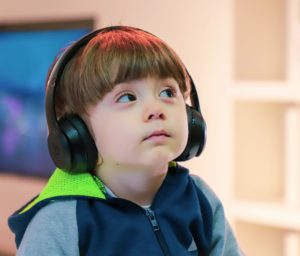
x=52, y=231
x=207, y=191
x=62, y=212
x=223, y=238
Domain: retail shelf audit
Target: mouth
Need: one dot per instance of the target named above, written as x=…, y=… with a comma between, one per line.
x=158, y=134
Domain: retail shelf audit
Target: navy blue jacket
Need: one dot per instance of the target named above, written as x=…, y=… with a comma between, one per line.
x=180, y=221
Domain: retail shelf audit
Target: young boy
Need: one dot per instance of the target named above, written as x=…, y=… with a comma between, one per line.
x=129, y=87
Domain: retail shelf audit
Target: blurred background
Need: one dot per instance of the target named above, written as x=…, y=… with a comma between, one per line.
x=243, y=55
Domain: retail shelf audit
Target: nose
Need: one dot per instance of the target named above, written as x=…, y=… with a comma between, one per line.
x=154, y=112
x=156, y=115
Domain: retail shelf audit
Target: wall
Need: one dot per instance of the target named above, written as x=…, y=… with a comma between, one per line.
x=199, y=31
x=14, y=192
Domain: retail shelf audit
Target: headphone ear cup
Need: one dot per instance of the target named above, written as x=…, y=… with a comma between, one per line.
x=197, y=135
x=77, y=149
x=59, y=149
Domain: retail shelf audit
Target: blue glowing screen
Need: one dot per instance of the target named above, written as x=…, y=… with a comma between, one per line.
x=25, y=57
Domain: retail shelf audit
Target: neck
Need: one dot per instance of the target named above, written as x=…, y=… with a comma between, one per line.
x=139, y=187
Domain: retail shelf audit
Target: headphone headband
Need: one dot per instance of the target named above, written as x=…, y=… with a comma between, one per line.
x=56, y=73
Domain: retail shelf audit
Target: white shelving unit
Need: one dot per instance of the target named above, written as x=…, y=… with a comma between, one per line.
x=265, y=108
x=279, y=92
x=277, y=215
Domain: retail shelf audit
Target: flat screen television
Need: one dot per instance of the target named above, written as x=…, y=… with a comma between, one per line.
x=26, y=53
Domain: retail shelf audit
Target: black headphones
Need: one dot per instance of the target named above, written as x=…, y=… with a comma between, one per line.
x=72, y=147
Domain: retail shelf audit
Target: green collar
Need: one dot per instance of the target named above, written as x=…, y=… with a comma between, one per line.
x=62, y=183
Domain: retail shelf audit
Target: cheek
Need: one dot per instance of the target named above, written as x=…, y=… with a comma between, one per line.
x=185, y=129
x=113, y=136
x=181, y=124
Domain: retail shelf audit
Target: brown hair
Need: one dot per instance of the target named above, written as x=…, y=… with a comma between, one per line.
x=115, y=55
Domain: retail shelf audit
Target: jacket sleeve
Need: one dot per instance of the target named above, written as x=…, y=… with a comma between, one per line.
x=52, y=231
x=223, y=240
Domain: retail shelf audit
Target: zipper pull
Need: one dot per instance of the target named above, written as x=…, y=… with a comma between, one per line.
x=151, y=216
x=161, y=240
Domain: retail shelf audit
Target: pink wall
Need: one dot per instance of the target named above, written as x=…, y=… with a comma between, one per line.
x=14, y=192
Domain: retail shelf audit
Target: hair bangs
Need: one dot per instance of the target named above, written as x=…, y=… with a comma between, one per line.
x=141, y=61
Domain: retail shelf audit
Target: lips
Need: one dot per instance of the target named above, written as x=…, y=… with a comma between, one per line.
x=157, y=134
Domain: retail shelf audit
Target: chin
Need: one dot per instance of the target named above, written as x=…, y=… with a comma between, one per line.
x=162, y=158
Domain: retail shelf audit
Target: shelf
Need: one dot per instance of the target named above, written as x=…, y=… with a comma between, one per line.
x=277, y=215
x=279, y=92
x=264, y=101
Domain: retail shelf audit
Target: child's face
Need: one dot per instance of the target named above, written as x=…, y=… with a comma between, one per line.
x=140, y=123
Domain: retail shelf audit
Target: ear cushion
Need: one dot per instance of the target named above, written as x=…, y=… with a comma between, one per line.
x=197, y=135
x=59, y=149
x=74, y=147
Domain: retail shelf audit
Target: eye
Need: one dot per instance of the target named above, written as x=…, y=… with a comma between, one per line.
x=126, y=97
x=168, y=93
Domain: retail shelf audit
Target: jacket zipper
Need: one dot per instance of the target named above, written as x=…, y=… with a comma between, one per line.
x=151, y=216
